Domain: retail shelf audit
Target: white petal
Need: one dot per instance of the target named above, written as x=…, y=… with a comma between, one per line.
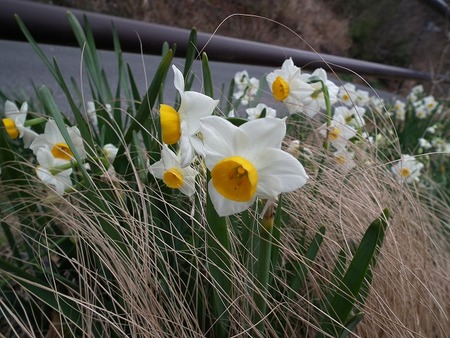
x=223, y=206
x=188, y=187
x=278, y=172
x=52, y=133
x=178, y=79
x=265, y=133
x=28, y=136
x=168, y=160
x=216, y=147
x=193, y=107
x=198, y=145
x=59, y=182
x=10, y=108
x=44, y=157
x=77, y=141
x=157, y=169
x=24, y=108
x=187, y=153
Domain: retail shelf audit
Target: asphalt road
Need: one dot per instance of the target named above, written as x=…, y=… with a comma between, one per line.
x=20, y=67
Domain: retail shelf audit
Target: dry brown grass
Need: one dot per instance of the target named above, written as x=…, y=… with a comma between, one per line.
x=410, y=295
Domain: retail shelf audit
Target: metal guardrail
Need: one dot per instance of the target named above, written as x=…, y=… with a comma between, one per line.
x=49, y=24
x=441, y=5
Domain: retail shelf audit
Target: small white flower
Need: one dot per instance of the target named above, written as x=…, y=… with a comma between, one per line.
x=314, y=102
x=246, y=87
x=338, y=132
x=14, y=123
x=353, y=116
x=362, y=97
x=425, y=144
x=288, y=87
x=347, y=94
x=430, y=103
x=53, y=140
x=421, y=112
x=110, y=152
x=407, y=169
x=48, y=171
x=92, y=112
x=431, y=130
x=241, y=80
x=255, y=112
x=344, y=159
x=175, y=176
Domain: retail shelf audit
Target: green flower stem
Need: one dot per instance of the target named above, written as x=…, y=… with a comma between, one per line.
x=60, y=168
x=326, y=95
x=263, y=267
x=326, y=143
x=33, y=122
x=219, y=259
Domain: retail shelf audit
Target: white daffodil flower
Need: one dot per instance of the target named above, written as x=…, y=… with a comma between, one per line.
x=347, y=94
x=110, y=152
x=314, y=102
x=350, y=96
x=175, y=176
x=241, y=80
x=338, y=132
x=353, y=116
x=399, y=110
x=344, y=159
x=362, y=97
x=407, y=169
x=92, y=113
x=288, y=87
x=14, y=123
x=53, y=140
x=50, y=173
x=184, y=124
x=430, y=103
x=255, y=112
x=246, y=87
x=247, y=162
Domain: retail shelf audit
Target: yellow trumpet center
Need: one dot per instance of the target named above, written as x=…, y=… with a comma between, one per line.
x=280, y=89
x=334, y=133
x=235, y=178
x=405, y=172
x=341, y=159
x=170, y=124
x=62, y=151
x=173, y=178
x=11, y=128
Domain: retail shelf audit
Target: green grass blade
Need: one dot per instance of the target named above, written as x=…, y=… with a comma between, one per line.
x=350, y=286
x=218, y=251
x=41, y=290
x=301, y=268
x=86, y=42
x=191, y=53
x=143, y=114
x=207, y=78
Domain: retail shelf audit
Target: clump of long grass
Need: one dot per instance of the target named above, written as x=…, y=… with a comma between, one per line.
x=123, y=255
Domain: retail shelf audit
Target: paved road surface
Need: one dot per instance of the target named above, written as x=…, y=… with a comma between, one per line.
x=20, y=65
